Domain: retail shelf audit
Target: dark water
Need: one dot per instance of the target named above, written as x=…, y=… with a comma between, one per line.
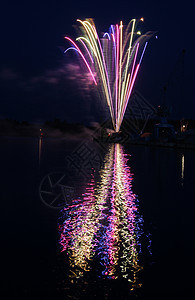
x=118, y=222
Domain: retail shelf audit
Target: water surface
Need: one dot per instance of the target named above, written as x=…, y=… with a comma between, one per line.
x=128, y=232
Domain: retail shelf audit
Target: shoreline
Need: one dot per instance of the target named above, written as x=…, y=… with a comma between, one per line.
x=177, y=145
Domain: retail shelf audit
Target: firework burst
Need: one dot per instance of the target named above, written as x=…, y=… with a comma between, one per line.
x=113, y=61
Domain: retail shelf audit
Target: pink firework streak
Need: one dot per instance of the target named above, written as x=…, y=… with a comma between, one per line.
x=113, y=61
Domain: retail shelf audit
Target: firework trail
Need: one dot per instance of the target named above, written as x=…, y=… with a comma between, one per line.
x=112, y=61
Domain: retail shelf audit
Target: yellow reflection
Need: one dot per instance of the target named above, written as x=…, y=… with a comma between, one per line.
x=182, y=168
x=106, y=223
x=40, y=147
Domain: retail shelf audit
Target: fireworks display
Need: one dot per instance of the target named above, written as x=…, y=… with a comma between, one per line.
x=113, y=61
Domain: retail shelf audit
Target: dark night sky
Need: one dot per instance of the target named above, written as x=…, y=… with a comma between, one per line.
x=32, y=66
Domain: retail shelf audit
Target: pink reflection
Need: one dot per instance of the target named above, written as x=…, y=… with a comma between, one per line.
x=105, y=224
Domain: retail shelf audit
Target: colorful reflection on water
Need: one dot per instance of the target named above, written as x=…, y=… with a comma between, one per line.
x=105, y=226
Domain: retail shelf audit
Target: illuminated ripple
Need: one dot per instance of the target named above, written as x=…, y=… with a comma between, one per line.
x=105, y=225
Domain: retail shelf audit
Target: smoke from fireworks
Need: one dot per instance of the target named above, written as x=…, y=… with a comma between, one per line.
x=112, y=61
